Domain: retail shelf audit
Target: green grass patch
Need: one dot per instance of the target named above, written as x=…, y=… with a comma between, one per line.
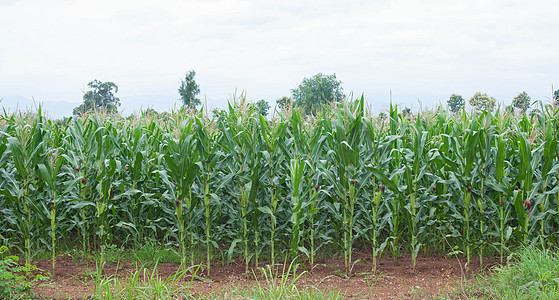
x=533, y=274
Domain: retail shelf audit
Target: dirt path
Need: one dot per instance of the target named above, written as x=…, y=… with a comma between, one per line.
x=433, y=276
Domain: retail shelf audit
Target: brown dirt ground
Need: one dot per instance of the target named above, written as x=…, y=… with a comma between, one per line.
x=433, y=276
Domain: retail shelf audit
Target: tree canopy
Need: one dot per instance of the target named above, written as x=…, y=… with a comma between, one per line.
x=284, y=102
x=456, y=103
x=316, y=91
x=483, y=102
x=522, y=101
x=262, y=106
x=188, y=90
x=99, y=97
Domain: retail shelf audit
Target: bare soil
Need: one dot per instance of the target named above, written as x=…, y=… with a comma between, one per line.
x=433, y=276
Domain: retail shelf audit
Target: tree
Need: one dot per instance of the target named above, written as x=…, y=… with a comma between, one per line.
x=218, y=113
x=100, y=97
x=284, y=102
x=316, y=91
x=522, y=101
x=556, y=98
x=482, y=102
x=406, y=112
x=188, y=90
x=456, y=103
x=150, y=112
x=262, y=107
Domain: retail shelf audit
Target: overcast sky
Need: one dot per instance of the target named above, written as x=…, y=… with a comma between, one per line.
x=425, y=50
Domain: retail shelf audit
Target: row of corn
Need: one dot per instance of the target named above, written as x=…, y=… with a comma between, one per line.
x=237, y=185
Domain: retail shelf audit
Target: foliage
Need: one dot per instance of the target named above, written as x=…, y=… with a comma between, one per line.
x=534, y=274
x=482, y=102
x=218, y=113
x=283, y=286
x=316, y=91
x=284, y=103
x=556, y=98
x=188, y=90
x=406, y=112
x=100, y=97
x=240, y=186
x=16, y=281
x=150, y=112
x=145, y=284
x=262, y=106
x=522, y=101
x=456, y=103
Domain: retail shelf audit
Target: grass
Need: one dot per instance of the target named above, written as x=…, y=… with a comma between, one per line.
x=151, y=253
x=147, y=254
x=145, y=284
x=284, y=286
x=275, y=293
x=533, y=275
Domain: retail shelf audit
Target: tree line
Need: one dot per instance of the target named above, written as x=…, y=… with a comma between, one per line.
x=310, y=96
x=483, y=102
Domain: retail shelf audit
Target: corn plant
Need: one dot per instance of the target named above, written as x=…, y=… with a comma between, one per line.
x=549, y=168
x=26, y=146
x=397, y=129
x=79, y=146
x=345, y=138
x=273, y=140
x=104, y=206
x=240, y=139
x=312, y=209
x=466, y=155
x=209, y=156
x=182, y=161
x=413, y=177
x=376, y=198
x=501, y=183
x=523, y=199
x=49, y=174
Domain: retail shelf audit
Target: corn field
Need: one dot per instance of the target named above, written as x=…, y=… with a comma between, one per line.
x=239, y=186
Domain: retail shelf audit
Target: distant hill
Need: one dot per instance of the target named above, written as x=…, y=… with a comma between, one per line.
x=52, y=109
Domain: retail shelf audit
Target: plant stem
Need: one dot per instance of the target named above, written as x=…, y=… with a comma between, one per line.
x=272, y=217
x=345, y=234
x=53, y=233
x=311, y=222
x=28, y=229
x=467, y=199
x=502, y=225
x=375, y=203
x=480, y=206
x=191, y=227
x=208, y=244
x=179, y=211
x=543, y=205
x=414, y=253
x=244, y=204
x=351, y=212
